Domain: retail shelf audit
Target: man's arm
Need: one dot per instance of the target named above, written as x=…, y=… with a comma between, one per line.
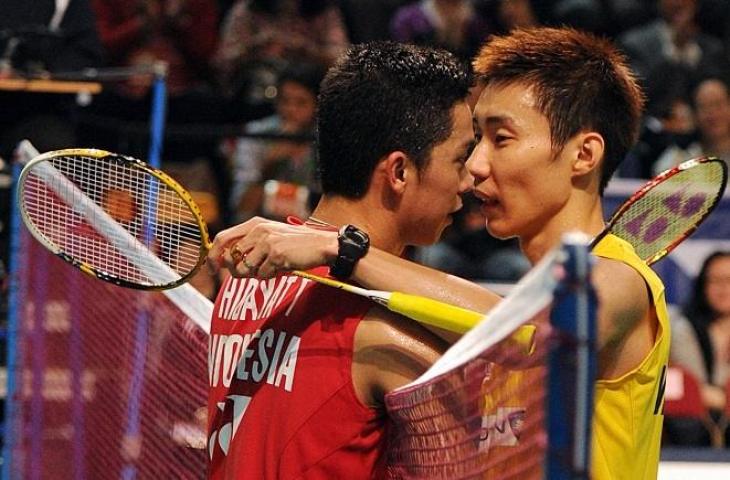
x=626, y=324
x=389, y=352
x=274, y=246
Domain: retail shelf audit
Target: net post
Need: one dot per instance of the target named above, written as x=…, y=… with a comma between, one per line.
x=157, y=114
x=14, y=302
x=157, y=127
x=572, y=365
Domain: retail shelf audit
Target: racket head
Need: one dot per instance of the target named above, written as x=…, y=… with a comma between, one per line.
x=114, y=217
x=669, y=208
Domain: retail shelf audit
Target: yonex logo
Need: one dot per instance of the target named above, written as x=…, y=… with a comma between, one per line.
x=674, y=205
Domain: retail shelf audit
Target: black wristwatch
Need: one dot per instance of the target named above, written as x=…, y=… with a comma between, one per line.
x=353, y=244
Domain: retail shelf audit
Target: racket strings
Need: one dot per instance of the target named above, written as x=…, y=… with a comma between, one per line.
x=671, y=210
x=153, y=215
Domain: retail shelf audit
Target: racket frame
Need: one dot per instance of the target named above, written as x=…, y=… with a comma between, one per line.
x=126, y=161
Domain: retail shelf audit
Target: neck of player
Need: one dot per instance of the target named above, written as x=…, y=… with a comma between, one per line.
x=583, y=213
x=379, y=223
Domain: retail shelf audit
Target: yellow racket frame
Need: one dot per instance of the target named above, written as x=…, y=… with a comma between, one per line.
x=133, y=163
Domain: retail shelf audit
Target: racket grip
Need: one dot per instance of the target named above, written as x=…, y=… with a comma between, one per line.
x=452, y=318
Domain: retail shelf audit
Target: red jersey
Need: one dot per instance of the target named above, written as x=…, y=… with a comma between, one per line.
x=282, y=404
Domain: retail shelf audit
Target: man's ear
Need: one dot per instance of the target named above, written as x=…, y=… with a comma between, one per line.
x=589, y=149
x=398, y=170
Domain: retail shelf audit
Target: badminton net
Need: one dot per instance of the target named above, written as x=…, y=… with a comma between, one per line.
x=103, y=382
x=484, y=409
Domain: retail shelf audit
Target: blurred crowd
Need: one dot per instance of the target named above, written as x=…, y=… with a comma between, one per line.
x=243, y=78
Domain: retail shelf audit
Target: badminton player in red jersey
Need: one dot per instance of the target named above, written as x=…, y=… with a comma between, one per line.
x=298, y=371
x=558, y=112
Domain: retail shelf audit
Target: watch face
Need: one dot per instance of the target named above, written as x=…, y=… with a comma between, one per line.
x=361, y=237
x=353, y=245
x=354, y=234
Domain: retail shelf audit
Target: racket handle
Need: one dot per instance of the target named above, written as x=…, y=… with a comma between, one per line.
x=452, y=318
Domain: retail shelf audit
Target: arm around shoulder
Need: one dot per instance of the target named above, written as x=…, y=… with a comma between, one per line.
x=390, y=351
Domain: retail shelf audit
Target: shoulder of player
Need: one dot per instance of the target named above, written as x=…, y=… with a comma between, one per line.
x=388, y=352
x=622, y=292
x=386, y=329
x=620, y=280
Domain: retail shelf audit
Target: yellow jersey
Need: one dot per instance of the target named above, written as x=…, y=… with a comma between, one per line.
x=627, y=422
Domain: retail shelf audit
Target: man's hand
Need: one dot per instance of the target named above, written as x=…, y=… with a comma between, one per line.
x=261, y=248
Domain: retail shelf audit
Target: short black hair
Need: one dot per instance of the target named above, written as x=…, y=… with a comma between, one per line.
x=382, y=97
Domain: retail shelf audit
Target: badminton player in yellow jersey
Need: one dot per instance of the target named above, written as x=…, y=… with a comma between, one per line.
x=558, y=112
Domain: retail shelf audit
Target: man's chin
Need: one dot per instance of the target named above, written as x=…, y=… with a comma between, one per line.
x=499, y=233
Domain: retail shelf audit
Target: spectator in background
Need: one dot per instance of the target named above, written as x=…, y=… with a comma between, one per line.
x=711, y=106
x=138, y=33
x=183, y=33
x=668, y=126
x=259, y=37
x=256, y=160
x=711, y=101
x=701, y=344
x=454, y=25
x=673, y=37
